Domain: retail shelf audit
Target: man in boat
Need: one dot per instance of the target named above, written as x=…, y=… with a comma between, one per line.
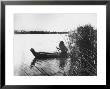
x=44, y=56
x=63, y=54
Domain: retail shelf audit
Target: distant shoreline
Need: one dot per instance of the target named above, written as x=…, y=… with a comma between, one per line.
x=38, y=32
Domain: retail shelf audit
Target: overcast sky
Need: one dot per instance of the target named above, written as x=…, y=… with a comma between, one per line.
x=53, y=22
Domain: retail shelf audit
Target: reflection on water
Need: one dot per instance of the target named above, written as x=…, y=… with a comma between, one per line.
x=41, y=43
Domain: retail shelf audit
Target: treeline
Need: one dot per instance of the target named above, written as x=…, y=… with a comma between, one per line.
x=37, y=32
x=84, y=53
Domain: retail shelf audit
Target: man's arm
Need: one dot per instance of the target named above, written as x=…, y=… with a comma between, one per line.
x=58, y=48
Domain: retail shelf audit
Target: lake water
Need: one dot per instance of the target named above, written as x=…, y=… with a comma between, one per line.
x=40, y=42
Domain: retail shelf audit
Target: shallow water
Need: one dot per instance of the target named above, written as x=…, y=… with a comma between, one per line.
x=41, y=43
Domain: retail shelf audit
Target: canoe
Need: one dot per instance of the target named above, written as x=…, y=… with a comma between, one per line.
x=44, y=55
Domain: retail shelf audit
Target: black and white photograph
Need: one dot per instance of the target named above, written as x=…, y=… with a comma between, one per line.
x=55, y=44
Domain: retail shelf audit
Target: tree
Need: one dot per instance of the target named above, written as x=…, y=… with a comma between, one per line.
x=85, y=40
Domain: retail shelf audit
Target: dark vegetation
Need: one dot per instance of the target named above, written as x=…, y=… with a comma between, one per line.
x=84, y=53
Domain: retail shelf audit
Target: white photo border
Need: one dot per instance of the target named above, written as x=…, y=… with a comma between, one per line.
x=100, y=79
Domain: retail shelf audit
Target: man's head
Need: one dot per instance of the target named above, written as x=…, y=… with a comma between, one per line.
x=61, y=43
